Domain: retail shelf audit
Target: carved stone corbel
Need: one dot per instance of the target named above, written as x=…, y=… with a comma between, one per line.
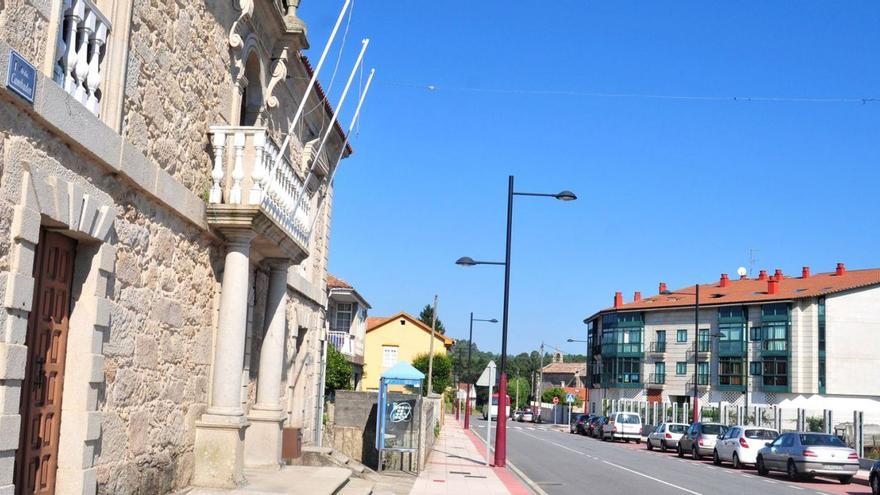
x=247, y=10
x=279, y=74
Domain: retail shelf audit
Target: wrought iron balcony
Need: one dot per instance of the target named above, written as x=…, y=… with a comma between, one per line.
x=655, y=380
x=702, y=347
x=658, y=347
x=702, y=382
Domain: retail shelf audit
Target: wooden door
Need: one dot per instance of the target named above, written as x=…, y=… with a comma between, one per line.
x=41, y=391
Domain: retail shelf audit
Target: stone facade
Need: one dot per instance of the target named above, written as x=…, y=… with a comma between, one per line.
x=131, y=185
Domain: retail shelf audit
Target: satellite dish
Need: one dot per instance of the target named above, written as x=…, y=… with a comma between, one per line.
x=741, y=271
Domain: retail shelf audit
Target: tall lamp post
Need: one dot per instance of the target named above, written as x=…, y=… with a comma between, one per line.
x=501, y=433
x=467, y=400
x=586, y=368
x=696, y=412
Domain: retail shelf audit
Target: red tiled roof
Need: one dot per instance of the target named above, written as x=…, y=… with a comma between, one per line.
x=376, y=322
x=337, y=283
x=755, y=291
x=327, y=106
x=565, y=368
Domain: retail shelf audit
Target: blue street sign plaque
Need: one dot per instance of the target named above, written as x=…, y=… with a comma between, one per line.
x=22, y=76
x=569, y=398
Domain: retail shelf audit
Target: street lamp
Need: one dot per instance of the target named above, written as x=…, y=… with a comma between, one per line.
x=586, y=367
x=467, y=400
x=501, y=433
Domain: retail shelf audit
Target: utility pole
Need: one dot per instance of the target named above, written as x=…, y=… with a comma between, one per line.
x=541, y=382
x=696, y=416
x=431, y=349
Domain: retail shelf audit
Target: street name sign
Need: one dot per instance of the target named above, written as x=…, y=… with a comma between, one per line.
x=22, y=77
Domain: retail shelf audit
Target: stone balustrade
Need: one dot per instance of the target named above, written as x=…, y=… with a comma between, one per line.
x=245, y=173
x=82, y=46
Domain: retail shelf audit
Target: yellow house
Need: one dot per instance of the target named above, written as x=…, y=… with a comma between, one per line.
x=397, y=338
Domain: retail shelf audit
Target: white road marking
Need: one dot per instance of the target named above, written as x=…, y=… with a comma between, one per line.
x=707, y=466
x=795, y=487
x=769, y=481
x=652, y=478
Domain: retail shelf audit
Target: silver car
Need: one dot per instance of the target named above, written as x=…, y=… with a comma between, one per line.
x=803, y=454
x=666, y=436
x=699, y=440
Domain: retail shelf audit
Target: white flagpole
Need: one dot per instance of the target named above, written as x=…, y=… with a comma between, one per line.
x=360, y=59
x=354, y=120
x=311, y=85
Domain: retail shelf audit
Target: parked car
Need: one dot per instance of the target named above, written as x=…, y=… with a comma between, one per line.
x=666, y=436
x=527, y=416
x=699, y=439
x=624, y=426
x=595, y=426
x=740, y=444
x=808, y=454
x=874, y=478
x=517, y=415
x=578, y=424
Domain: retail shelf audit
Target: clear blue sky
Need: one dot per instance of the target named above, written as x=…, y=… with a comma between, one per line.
x=670, y=190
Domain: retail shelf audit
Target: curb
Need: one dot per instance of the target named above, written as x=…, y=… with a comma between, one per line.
x=525, y=479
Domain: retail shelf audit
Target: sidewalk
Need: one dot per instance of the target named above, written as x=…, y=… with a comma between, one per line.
x=457, y=465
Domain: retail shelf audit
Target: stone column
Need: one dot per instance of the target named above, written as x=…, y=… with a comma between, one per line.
x=262, y=445
x=219, y=444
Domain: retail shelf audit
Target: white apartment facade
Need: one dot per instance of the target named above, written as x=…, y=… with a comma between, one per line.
x=347, y=317
x=808, y=341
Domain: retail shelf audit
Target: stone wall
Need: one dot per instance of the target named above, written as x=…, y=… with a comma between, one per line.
x=352, y=427
x=158, y=349
x=23, y=24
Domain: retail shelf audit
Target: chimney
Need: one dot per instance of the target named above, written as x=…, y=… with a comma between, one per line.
x=724, y=280
x=662, y=288
x=637, y=296
x=618, y=299
x=762, y=275
x=772, y=285
x=805, y=272
x=841, y=269
x=778, y=275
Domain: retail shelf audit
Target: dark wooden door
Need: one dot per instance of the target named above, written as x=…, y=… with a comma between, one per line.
x=37, y=457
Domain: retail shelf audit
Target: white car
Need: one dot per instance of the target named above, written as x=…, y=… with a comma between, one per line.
x=740, y=444
x=527, y=416
x=624, y=426
x=666, y=436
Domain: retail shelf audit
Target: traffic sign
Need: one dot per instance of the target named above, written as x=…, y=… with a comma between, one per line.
x=555, y=400
x=488, y=376
x=569, y=398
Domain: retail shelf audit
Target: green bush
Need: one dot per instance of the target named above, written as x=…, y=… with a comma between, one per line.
x=338, y=371
x=815, y=423
x=442, y=371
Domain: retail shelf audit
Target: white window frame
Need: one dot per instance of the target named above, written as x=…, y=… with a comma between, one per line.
x=385, y=355
x=350, y=312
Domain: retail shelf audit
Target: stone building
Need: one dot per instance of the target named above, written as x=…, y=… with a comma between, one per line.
x=162, y=274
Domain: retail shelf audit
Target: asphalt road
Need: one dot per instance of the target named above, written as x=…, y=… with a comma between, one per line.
x=561, y=463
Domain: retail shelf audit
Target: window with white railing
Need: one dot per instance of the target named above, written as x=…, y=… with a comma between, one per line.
x=80, y=52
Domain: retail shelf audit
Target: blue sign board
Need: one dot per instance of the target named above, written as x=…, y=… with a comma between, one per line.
x=22, y=76
x=569, y=398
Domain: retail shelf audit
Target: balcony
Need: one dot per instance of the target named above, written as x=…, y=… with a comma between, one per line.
x=633, y=349
x=342, y=341
x=658, y=347
x=80, y=52
x=656, y=380
x=249, y=190
x=702, y=382
x=731, y=348
x=701, y=347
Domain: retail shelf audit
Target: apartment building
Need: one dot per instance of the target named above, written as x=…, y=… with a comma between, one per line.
x=347, y=315
x=162, y=255
x=809, y=340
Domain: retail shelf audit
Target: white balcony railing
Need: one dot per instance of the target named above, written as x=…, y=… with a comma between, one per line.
x=244, y=173
x=81, y=51
x=342, y=341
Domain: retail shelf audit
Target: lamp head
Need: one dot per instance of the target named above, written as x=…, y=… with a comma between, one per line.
x=465, y=261
x=493, y=320
x=570, y=340
x=566, y=196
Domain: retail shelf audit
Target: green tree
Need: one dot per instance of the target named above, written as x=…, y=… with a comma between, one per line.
x=523, y=386
x=338, y=371
x=442, y=375
x=550, y=393
x=427, y=315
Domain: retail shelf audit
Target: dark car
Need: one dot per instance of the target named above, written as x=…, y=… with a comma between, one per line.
x=699, y=439
x=875, y=478
x=578, y=424
x=592, y=425
x=597, y=425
